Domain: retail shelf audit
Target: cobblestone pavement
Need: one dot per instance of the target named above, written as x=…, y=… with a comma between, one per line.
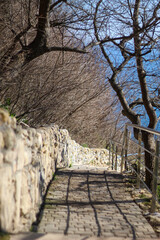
x=89, y=201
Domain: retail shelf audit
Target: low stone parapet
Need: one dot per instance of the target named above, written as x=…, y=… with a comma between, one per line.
x=28, y=160
x=83, y=155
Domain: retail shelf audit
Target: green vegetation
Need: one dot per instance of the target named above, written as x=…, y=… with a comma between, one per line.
x=7, y=106
x=70, y=165
x=54, y=176
x=132, y=181
x=31, y=229
x=145, y=198
x=142, y=195
x=24, y=120
x=84, y=145
x=4, y=236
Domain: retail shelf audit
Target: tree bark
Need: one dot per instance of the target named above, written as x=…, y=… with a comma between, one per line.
x=149, y=144
x=39, y=44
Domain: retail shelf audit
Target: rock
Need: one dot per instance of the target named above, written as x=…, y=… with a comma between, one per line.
x=10, y=156
x=9, y=137
x=7, y=200
x=26, y=202
x=1, y=159
x=18, y=187
x=154, y=220
x=4, y=116
x=1, y=141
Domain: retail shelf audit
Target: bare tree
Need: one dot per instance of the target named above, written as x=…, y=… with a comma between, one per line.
x=42, y=80
x=33, y=27
x=128, y=35
x=71, y=92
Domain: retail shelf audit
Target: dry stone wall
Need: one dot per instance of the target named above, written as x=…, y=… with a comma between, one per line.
x=28, y=160
x=80, y=155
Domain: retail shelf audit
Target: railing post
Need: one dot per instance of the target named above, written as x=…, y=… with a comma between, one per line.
x=109, y=153
x=139, y=159
x=155, y=176
x=122, y=159
x=116, y=158
x=122, y=152
x=126, y=147
x=112, y=156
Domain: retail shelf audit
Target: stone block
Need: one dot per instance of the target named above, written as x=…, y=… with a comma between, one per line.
x=26, y=201
x=7, y=200
x=1, y=159
x=10, y=156
x=1, y=141
x=9, y=137
x=4, y=116
x=18, y=187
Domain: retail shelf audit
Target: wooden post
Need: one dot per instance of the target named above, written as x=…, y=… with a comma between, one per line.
x=126, y=147
x=139, y=159
x=155, y=176
x=116, y=158
x=122, y=159
x=122, y=152
x=112, y=156
x=109, y=154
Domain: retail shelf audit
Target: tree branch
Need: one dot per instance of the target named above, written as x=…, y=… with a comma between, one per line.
x=64, y=49
x=140, y=69
x=56, y=3
x=127, y=111
x=139, y=101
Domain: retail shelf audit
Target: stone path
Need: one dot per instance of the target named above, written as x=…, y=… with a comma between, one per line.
x=85, y=202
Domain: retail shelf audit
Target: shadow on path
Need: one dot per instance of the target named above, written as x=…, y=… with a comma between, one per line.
x=104, y=178
x=68, y=205
x=94, y=209
x=119, y=209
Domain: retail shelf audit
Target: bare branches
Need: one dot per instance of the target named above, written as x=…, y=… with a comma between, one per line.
x=142, y=30
x=64, y=49
x=139, y=102
x=56, y=3
x=140, y=69
x=98, y=39
x=131, y=115
x=38, y=42
x=116, y=70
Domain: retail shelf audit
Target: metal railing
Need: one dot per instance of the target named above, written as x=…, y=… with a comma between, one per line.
x=121, y=158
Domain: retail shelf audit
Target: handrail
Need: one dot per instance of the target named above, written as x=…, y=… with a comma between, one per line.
x=137, y=158
x=140, y=165
x=150, y=130
x=141, y=147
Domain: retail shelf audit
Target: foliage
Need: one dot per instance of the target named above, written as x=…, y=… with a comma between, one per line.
x=4, y=236
x=85, y=145
x=6, y=105
x=70, y=165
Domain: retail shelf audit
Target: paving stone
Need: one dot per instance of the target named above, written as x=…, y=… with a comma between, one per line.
x=91, y=203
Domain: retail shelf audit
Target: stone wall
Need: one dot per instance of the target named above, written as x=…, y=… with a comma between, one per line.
x=80, y=155
x=28, y=160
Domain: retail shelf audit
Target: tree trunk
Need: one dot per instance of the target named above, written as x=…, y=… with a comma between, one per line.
x=43, y=24
x=149, y=144
x=39, y=44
